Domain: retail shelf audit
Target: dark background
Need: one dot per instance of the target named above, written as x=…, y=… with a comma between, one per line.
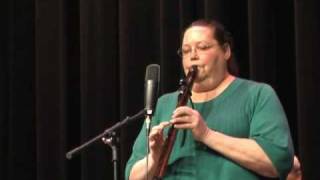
x=69, y=69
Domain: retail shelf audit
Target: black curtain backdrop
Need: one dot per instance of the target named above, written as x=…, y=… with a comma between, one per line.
x=69, y=69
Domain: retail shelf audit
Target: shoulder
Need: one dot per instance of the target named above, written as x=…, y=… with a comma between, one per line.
x=165, y=105
x=255, y=93
x=255, y=88
x=168, y=97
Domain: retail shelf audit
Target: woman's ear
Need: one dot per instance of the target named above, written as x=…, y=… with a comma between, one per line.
x=227, y=51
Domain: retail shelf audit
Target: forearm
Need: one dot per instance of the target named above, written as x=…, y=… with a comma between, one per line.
x=245, y=152
x=139, y=170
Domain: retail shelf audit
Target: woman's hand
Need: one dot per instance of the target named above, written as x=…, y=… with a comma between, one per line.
x=186, y=118
x=156, y=139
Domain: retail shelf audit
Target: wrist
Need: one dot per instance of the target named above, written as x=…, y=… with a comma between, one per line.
x=153, y=156
x=206, y=135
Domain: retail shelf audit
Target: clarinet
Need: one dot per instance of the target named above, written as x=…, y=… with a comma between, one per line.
x=183, y=97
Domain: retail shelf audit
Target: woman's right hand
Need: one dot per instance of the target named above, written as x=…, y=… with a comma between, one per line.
x=156, y=140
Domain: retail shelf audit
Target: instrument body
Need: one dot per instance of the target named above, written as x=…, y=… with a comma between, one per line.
x=184, y=95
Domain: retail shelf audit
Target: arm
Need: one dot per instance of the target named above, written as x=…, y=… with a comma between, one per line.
x=295, y=173
x=138, y=171
x=244, y=151
x=268, y=131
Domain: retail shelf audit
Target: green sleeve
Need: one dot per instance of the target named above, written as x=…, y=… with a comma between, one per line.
x=138, y=151
x=269, y=128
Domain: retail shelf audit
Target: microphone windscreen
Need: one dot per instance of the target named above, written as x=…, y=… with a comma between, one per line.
x=153, y=72
x=152, y=80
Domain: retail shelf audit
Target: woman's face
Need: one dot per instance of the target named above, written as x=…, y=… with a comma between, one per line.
x=200, y=48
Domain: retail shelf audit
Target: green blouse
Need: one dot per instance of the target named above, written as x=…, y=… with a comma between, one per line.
x=246, y=109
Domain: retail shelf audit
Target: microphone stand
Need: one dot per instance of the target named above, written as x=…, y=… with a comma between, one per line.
x=106, y=132
x=112, y=140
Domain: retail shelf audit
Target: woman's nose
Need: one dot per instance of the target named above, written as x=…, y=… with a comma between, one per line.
x=194, y=54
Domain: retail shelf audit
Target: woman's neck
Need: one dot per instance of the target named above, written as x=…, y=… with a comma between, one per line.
x=211, y=91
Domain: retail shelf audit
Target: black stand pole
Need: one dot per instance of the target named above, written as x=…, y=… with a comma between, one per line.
x=112, y=141
x=108, y=131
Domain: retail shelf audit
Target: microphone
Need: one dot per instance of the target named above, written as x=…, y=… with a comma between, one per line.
x=151, y=85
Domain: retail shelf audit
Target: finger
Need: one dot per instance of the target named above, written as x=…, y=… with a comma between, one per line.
x=157, y=130
x=183, y=126
x=182, y=111
x=161, y=125
x=181, y=120
x=155, y=139
x=164, y=124
x=182, y=108
x=155, y=133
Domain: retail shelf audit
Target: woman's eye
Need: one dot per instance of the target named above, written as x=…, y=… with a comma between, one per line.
x=203, y=47
x=186, y=50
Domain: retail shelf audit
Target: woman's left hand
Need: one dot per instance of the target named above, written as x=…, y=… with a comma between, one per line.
x=185, y=117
